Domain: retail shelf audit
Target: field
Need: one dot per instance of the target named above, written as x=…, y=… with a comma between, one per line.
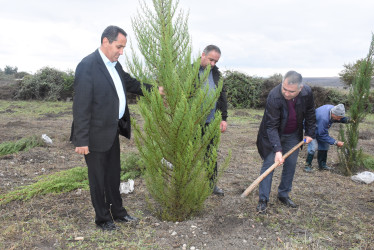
x=334, y=212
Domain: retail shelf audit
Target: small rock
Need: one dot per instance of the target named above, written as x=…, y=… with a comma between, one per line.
x=205, y=233
x=176, y=223
x=43, y=169
x=192, y=248
x=184, y=246
x=244, y=241
x=79, y=191
x=79, y=238
x=193, y=226
x=173, y=233
x=157, y=224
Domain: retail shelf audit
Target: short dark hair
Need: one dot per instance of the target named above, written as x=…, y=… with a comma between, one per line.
x=211, y=47
x=111, y=32
x=293, y=78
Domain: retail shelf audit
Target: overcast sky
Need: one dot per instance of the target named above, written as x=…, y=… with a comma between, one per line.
x=314, y=37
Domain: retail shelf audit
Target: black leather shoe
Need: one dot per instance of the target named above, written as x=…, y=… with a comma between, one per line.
x=262, y=206
x=127, y=218
x=287, y=201
x=107, y=226
x=218, y=191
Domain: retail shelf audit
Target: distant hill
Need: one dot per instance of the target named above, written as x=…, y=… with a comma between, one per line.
x=324, y=81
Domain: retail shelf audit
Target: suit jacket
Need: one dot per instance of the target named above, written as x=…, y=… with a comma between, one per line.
x=96, y=104
x=275, y=119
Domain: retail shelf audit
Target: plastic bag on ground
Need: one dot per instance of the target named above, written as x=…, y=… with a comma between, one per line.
x=364, y=177
x=46, y=139
x=126, y=187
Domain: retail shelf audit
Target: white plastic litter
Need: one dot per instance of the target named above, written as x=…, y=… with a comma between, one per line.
x=166, y=163
x=46, y=139
x=126, y=187
x=364, y=177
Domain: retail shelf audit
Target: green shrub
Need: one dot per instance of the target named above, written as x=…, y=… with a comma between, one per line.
x=47, y=84
x=324, y=96
x=20, y=75
x=267, y=85
x=8, y=70
x=243, y=91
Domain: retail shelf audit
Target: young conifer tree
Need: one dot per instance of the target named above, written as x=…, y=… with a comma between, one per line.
x=350, y=157
x=172, y=144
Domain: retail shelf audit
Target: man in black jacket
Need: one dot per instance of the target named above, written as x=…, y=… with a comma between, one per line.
x=211, y=56
x=100, y=114
x=288, y=106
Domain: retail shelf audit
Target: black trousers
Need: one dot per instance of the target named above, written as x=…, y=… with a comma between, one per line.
x=104, y=180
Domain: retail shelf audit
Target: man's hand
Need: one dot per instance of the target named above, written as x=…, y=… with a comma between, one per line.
x=82, y=150
x=308, y=139
x=161, y=90
x=223, y=126
x=340, y=144
x=279, y=157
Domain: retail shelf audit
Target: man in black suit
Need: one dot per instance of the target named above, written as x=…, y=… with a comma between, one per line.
x=100, y=114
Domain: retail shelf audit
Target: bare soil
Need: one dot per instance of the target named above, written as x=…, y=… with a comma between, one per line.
x=334, y=212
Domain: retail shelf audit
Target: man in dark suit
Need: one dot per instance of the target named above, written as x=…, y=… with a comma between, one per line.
x=100, y=114
x=288, y=113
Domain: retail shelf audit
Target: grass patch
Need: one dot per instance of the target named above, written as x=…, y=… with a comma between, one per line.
x=240, y=116
x=63, y=181
x=71, y=179
x=33, y=108
x=368, y=161
x=23, y=144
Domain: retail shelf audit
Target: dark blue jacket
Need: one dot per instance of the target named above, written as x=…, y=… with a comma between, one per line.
x=276, y=115
x=324, y=122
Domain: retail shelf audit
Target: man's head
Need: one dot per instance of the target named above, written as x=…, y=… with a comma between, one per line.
x=113, y=41
x=210, y=55
x=338, y=112
x=291, y=85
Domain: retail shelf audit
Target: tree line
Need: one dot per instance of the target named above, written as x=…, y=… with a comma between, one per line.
x=243, y=90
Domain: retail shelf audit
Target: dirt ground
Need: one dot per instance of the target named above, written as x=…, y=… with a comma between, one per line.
x=334, y=212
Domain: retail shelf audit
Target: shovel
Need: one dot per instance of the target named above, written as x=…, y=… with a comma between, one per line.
x=270, y=169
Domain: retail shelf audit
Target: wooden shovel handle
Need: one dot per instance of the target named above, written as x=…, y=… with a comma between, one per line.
x=270, y=169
